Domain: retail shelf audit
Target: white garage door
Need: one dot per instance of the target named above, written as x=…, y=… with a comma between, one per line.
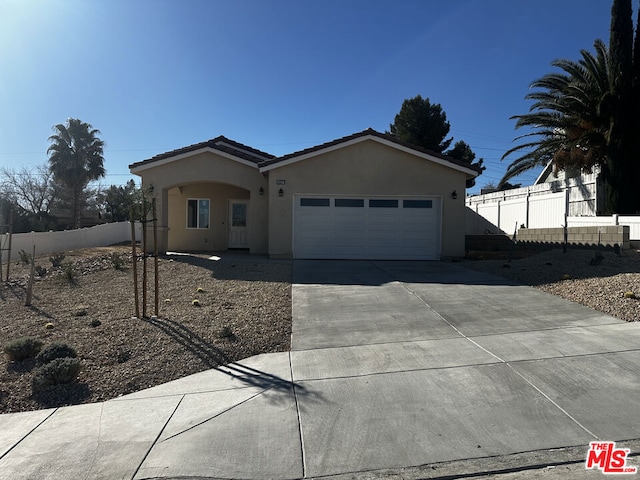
x=406, y=228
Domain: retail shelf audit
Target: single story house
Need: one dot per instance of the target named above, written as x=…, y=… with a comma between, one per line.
x=363, y=196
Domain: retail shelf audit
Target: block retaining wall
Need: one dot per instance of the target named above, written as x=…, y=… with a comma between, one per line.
x=607, y=236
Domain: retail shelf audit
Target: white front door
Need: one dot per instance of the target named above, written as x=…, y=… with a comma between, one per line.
x=238, y=233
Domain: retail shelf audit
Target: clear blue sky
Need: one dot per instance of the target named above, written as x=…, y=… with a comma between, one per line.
x=277, y=75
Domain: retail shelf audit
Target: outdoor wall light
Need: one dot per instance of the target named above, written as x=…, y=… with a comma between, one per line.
x=151, y=188
x=261, y=191
x=454, y=195
x=281, y=193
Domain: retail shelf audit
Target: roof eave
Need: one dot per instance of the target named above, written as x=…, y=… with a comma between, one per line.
x=137, y=169
x=472, y=173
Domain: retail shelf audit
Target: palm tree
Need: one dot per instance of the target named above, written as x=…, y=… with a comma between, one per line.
x=569, y=118
x=75, y=159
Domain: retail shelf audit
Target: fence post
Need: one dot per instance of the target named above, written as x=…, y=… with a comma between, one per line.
x=526, y=208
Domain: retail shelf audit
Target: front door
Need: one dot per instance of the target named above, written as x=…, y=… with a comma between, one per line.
x=238, y=235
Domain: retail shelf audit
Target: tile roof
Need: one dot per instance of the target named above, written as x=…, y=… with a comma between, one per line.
x=364, y=133
x=263, y=159
x=220, y=143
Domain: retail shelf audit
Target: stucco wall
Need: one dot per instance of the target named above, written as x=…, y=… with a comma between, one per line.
x=367, y=168
x=212, y=238
x=199, y=169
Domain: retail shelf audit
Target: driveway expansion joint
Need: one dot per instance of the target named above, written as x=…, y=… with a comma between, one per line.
x=155, y=440
x=508, y=364
x=28, y=433
x=300, y=432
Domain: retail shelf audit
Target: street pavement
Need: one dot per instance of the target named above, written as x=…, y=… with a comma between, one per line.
x=397, y=370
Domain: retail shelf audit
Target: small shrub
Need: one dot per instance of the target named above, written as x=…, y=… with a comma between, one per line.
x=117, y=262
x=95, y=323
x=40, y=271
x=629, y=295
x=56, y=260
x=195, y=303
x=25, y=257
x=123, y=356
x=22, y=348
x=56, y=372
x=226, y=332
x=69, y=273
x=55, y=350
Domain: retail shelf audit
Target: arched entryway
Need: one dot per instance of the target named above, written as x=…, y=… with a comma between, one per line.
x=208, y=217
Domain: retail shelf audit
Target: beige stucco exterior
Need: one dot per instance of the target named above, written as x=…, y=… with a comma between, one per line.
x=207, y=175
x=366, y=168
x=215, y=237
x=364, y=164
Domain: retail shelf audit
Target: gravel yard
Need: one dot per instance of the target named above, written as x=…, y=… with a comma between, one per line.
x=244, y=309
x=579, y=276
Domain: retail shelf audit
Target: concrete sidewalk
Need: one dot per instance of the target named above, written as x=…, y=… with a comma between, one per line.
x=403, y=369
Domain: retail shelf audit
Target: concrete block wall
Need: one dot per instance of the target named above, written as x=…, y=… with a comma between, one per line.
x=607, y=236
x=488, y=243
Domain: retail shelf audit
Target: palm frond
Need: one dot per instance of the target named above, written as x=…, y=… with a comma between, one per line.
x=567, y=116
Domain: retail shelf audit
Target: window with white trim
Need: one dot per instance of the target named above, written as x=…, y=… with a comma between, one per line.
x=198, y=212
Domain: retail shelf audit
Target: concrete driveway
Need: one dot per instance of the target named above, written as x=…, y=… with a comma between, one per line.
x=425, y=367
x=424, y=362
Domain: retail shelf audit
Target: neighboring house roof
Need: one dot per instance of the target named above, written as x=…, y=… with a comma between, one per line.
x=548, y=174
x=544, y=174
x=266, y=161
x=221, y=144
x=369, y=134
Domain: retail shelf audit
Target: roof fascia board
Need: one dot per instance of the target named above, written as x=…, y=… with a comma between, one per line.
x=545, y=171
x=253, y=154
x=383, y=141
x=181, y=156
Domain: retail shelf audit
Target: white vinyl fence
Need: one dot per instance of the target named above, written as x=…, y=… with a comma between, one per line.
x=52, y=242
x=542, y=206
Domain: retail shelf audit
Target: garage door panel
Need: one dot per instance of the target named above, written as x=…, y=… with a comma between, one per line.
x=350, y=222
x=367, y=228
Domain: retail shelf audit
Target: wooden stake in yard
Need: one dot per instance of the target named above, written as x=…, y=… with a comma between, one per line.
x=155, y=255
x=144, y=257
x=5, y=245
x=135, y=260
x=27, y=302
x=1, y=250
x=10, y=234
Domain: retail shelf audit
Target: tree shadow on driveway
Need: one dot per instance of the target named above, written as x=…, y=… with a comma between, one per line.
x=214, y=357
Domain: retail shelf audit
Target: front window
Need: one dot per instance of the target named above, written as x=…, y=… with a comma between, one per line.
x=198, y=213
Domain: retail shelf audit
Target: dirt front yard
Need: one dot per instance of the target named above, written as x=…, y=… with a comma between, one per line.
x=211, y=312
